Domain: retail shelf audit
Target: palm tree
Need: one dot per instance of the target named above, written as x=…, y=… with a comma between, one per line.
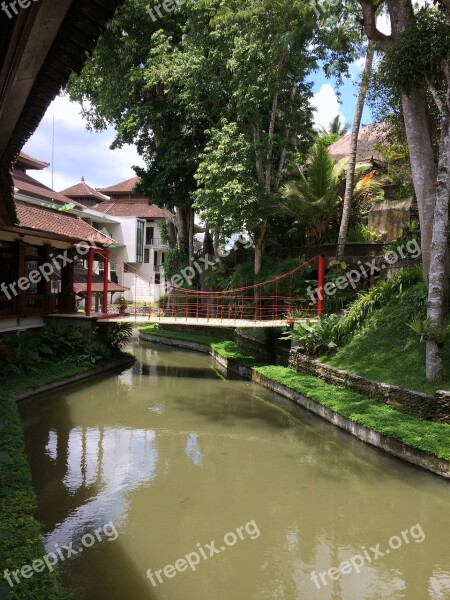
x=347, y=204
x=335, y=128
x=316, y=199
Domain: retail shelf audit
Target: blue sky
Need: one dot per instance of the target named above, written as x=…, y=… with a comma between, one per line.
x=81, y=153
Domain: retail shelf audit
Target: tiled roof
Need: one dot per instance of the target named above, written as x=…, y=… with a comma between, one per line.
x=80, y=278
x=369, y=137
x=62, y=224
x=29, y=162
x=31, y=187
x=125, y=186
x=130, y=208
x=83, y=190
x=40, y=51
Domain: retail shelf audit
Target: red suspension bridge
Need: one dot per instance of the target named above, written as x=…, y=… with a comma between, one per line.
x=269, y=303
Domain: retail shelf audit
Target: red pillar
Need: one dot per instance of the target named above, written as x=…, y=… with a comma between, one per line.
x=89, y=282
x=105, y=282
x=321, y=284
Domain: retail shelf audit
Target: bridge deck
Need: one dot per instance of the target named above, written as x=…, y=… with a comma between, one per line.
x=205, y=322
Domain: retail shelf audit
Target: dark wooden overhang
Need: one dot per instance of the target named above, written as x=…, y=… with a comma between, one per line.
x=39, y=49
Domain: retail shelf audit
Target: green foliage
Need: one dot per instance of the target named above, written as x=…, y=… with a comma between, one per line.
x=27, y=352
x=361, y=233
x=410, y=233
x=175, y=261
x=424, y=330
x=378, y=296
x=432, y=438
x=385, y=349
x=319, y=337
x=410, y=64
x=420, y=326
x=315, y=200
x=119, y=335
x=153, y=329
x=335, y=128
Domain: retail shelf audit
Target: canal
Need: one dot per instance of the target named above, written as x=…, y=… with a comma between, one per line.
x=168, y=481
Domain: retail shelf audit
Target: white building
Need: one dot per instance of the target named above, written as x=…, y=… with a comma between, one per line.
x=137, y=260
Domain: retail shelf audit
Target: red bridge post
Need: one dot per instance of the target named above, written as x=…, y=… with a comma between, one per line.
x=322, y=262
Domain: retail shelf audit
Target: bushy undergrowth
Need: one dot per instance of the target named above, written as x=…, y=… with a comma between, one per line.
x=380, y=295
x=385, y=348
x=320, y=337
x=25, y=352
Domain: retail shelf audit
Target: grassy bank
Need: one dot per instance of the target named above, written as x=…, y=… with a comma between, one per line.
x=386, y=349
x=20, y=533
x=432, y=438
x=227, y=349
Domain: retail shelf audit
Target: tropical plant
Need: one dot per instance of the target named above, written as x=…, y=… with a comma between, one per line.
x=379, y=295
x=119, y=335
x=335, y=127
x=316, y=198
x=422, y=328
x=318, y=337
x=361, y=233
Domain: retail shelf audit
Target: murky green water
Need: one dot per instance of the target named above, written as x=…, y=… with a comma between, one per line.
x=175, y=457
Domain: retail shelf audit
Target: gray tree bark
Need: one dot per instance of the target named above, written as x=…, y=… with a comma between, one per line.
x=348, y=195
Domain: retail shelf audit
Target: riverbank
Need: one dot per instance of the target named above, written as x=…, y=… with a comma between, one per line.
x=20, y=533
x=420, y=442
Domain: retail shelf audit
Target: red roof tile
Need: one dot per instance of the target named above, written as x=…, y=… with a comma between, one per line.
x=83, y=190
x=125, y=186
x=31, y=187
x=62, y=224
x=29, y=162
x=130, y=208
x=80, y=282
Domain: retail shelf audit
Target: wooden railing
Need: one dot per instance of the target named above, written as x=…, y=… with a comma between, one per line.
x=8, y=307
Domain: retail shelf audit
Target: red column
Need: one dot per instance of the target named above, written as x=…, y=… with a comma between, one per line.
x=321, y=284
x=89, y=282
x=105, y=282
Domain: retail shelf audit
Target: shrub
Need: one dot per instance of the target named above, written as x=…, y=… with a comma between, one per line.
x=320, y=337
x=379, y=295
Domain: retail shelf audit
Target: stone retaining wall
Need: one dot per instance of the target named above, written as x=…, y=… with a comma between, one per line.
x=427, y=406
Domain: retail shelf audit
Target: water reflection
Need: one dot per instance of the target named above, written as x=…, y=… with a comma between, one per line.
x=107, y=463
x=176, y=456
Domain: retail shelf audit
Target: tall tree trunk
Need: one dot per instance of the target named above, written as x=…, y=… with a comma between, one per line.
x=348, y=195
x=423, y=166
x=191, y=216
x=259, y=234
x=437, y=307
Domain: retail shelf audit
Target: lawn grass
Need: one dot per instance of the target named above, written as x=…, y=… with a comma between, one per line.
x=152, y=329
x=430, y=437
x=386, y=349
x=226, y=348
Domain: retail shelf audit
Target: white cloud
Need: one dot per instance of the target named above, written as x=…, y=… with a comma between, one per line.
x=327, y=106
x=78, y=152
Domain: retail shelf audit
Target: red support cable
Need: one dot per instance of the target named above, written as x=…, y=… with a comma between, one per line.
x=89, y=282
x=322, y=261
x=105, y=282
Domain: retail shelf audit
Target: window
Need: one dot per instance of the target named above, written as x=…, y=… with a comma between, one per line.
x=146, y=255
x=149, y=236
x=140, y=241
x=155, y=261
x=31, y=265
